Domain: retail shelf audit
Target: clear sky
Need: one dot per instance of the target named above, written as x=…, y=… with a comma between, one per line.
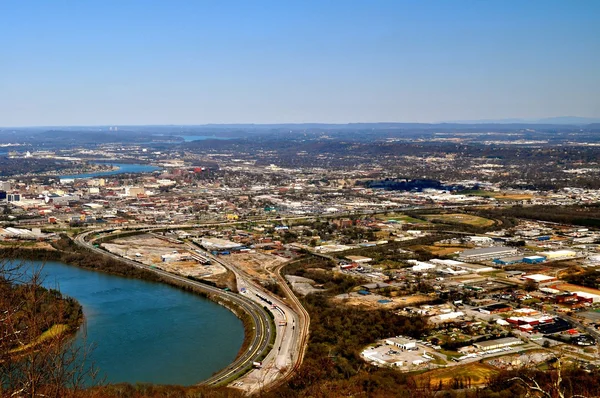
x=253, y=61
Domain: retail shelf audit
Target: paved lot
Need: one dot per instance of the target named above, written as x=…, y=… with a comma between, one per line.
x=591, y=315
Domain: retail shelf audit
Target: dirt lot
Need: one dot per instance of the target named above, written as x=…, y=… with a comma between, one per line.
x=512, y=361
x=257, y=264
x=148, y=250
x=26, y=245
x=477, y=373
x=503, y=195
x=441, y=250
x=372, y=300
x=576, y=288
x=302, y=286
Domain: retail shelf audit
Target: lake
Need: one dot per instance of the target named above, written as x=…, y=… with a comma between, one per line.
x=148, y=332
x=123, y=168
x=189, y=138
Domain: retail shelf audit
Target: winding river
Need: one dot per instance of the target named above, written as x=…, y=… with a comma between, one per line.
x=148, y=332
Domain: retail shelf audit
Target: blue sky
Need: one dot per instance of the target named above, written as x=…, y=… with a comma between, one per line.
x=194, y=62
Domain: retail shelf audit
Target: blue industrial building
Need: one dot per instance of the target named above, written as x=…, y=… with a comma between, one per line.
x=508, y=260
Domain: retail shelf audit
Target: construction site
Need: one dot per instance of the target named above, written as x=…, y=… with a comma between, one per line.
x=167, y=254
x=257, y=264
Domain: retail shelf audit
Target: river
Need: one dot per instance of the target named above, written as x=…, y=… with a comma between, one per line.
x=148, y=332
x=190, y=138
x=122, y=168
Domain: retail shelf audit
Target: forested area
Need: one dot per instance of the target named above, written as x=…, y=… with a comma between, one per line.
x=584, y=215
x=36, y=327
x=22, y=296
x=590, y=278
x=10, y=166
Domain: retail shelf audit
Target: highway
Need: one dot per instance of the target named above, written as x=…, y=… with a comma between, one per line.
x=261, y=321
x=303, y=325
x=292, y=331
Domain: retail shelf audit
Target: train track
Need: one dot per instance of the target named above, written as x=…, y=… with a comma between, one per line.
x=304, y=327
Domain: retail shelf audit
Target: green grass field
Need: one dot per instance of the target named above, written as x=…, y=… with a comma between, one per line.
x=458, y=218
x=400, y=218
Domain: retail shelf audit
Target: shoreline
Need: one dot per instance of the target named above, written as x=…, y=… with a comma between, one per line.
x=68, y=257
x=70, y=316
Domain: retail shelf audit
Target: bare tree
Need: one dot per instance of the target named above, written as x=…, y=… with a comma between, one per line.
x=555, y=388
x=38, y=355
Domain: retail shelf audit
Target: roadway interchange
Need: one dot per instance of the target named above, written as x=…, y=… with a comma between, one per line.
x=261, y=320
x=292, y=331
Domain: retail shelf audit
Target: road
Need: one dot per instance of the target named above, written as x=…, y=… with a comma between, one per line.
x=292, y=331
x=261, y=322
x=303, y=325
x=149, y=227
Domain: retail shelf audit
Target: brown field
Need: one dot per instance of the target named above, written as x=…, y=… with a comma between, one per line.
x=478, y=373
x=461, y=219
x=371, y=301
x=152, y=248
x=576, y=288
x=505, y=196
x=443, y=250
x=382, y=234
x=259, y=264
x=412, y=300
x=28, y=245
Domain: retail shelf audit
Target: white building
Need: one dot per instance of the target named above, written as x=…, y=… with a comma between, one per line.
x=420, y=266
x=558, y=254
x=447, y=316
x=487, y=253
x=480, y=240
x=594, y=297
x=539, y=278
x=134, y=191
x=498, y=343
x=402, y=342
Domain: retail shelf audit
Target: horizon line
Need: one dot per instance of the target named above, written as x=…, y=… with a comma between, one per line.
x=539, y=121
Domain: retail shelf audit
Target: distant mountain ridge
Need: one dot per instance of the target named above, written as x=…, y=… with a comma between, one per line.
x=577, y=120
x=174, y=129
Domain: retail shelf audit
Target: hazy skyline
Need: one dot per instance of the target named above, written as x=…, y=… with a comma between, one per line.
x=197, y=62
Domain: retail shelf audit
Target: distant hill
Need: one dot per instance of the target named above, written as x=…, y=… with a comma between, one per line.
x=573, y=120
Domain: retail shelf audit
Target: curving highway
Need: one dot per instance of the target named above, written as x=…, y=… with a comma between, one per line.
x=261, y=320
x=290, y=340
x=303, y=324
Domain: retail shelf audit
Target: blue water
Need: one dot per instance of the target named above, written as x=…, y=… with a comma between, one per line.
x=188, y=138
x=148, y=332
x=123, y=168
